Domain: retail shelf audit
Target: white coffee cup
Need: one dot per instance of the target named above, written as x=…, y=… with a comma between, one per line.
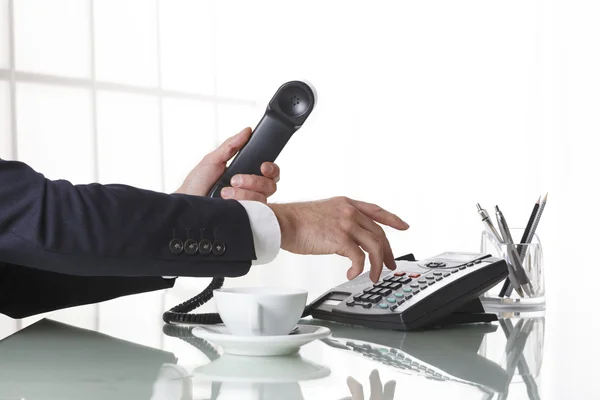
x=260, y=311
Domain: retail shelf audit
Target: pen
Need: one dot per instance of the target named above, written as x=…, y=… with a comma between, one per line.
x=506, y=287
x=522, y=282
x=489, y=226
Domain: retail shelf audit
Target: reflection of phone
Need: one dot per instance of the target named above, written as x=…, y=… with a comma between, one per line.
x=441, y=290
x=450, y=354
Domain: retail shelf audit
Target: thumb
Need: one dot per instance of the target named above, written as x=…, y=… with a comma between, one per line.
x=229, y=148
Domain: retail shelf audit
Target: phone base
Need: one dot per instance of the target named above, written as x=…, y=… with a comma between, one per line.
x=472, y=312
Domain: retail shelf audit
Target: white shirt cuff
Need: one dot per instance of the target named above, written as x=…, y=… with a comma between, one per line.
x=265, y=231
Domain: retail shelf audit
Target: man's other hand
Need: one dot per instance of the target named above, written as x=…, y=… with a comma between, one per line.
x=243, y=187
x=339, y=226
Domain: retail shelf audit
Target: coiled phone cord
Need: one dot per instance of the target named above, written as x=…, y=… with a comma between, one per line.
x=180, y=314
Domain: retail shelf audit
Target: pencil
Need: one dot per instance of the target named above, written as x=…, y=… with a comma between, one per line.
x=537, y=219
x=534, y=226
x=506, y=286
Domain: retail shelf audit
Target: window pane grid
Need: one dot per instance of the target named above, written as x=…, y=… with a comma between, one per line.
x=173, y=102
x=200, y=87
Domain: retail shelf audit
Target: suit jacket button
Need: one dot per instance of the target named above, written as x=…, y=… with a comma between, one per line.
x=176, y=246
x=205, y=247
x=191, y=246
x=218, y=248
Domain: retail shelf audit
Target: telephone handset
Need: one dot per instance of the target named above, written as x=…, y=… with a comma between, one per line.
x=286, y=112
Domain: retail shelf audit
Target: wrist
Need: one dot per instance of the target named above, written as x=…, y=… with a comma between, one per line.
x=286, y=223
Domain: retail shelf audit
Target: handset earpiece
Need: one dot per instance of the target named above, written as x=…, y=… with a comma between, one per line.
x=285, y=114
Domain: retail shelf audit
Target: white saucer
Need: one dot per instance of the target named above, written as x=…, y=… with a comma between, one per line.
x=260, y=345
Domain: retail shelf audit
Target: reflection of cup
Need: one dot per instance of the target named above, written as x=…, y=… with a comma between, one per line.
x=519, y=350
x=260, y=311
x=263, y=378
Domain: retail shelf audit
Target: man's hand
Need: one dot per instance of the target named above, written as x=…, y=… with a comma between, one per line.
x=339, y=226
x=244, y=187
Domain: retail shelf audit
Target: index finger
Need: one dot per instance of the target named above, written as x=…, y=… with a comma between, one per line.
x=380, y=215
x=229, y=147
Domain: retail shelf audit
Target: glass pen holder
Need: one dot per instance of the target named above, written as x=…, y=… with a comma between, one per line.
x=526, y=261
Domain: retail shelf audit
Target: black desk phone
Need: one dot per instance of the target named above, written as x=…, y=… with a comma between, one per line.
x=437, y=291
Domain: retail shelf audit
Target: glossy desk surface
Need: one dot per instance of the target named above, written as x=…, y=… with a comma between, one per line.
x=53, y=360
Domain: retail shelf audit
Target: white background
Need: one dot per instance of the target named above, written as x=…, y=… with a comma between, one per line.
x=425, y=108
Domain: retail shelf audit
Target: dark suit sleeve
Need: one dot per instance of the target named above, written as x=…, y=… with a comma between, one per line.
x=27, y=291
x=115, y=230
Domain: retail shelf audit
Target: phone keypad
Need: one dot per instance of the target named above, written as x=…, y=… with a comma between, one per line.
x=398, y=287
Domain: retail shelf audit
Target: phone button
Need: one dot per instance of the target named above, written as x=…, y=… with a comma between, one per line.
x=391, y=299
x=399, y=295
x=383, y=305
x=367, y=305
x=414, y=275
x=462, y=267
x=399, y=273
x=385, y=292
x=350, y=303
x=375, y=298
x=454, y=271
x=407, y=290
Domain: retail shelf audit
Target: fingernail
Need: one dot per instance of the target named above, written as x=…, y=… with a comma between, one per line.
x=268, y=168
x=236, y=180
x=227, y=192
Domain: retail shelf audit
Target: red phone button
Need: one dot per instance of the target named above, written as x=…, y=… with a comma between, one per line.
x=414, y=275
x=399, y=273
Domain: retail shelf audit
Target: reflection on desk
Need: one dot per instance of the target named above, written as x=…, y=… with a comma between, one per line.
x=50, y=360
x=451, y=354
